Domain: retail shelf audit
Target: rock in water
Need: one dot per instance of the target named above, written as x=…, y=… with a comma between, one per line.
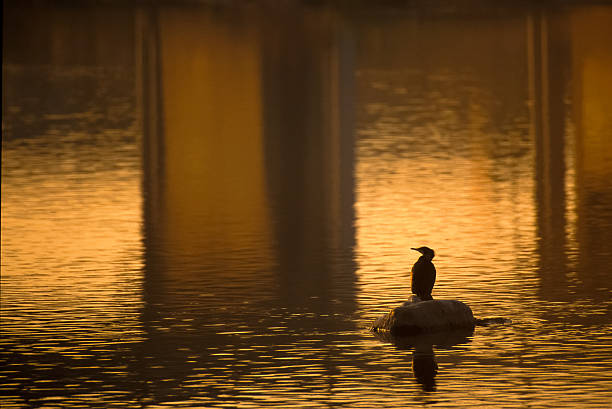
x=425, y=316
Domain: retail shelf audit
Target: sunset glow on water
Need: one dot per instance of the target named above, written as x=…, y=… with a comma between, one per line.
x=208, y=206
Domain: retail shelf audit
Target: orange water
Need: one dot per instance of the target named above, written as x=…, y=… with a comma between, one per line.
x=206, y=207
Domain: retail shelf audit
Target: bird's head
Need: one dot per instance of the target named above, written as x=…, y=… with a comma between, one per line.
x=425, y=251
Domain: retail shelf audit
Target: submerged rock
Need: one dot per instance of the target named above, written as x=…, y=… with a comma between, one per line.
x=417, y=316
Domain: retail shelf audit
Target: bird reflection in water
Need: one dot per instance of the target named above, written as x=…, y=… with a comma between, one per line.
x=424, y=365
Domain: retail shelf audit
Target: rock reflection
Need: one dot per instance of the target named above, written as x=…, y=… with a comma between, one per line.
x=424, y=365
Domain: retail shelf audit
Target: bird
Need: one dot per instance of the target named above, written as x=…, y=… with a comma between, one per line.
x=423, y=274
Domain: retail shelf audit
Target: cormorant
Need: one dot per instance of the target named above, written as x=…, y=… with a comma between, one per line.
x=423, y=274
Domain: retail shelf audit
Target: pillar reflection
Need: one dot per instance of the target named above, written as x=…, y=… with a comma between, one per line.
x=248, y=147
x=307, y=85
x=548, y=61
x=569, y=80
x=591, y=92
x=248, y=185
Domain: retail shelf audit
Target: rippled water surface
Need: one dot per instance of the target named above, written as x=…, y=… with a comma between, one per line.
x=207, y=206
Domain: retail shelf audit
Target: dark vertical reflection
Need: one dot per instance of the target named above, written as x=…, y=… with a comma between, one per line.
x=207, y=257
x=307, y=76
x=571, y=151
x=148, y=72
x=548, y=46
x=591, y=94
x=148, y=66
x=248, y=187
x=307, y=79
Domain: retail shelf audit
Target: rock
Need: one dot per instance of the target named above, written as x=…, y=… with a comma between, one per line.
x=416, y=317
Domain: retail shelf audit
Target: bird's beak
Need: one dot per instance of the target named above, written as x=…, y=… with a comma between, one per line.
x=412, y=248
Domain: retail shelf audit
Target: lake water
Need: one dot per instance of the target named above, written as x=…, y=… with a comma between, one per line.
x=206, y=204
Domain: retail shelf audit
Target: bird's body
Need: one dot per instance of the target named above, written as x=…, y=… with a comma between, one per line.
x=423, y=274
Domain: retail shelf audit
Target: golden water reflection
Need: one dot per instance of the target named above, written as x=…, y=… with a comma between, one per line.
x=214, y=213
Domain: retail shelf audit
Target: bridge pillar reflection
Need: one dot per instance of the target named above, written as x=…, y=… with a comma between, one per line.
x=308, y=66
x=591, y=95
x=248, y=180
x=548, y=59
x=570, y=85
x=249, y=148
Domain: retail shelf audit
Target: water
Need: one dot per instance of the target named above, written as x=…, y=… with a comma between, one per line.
x=207, y=206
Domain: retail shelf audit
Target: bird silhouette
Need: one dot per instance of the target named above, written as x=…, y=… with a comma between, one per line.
x=423, y=274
